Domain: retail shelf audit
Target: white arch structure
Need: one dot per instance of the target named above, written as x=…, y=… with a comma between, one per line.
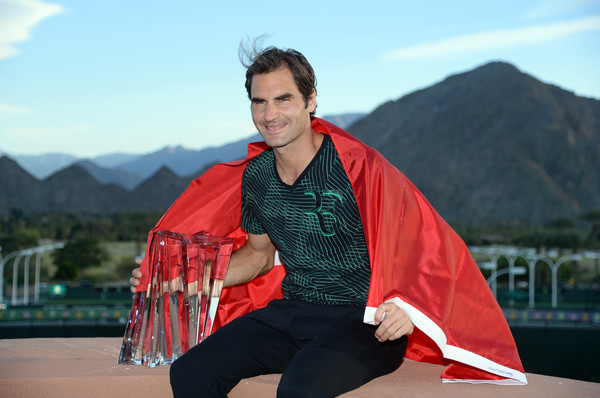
x=18, y=255
x=531, y=258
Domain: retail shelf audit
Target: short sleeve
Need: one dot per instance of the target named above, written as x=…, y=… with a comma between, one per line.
x=250, y=222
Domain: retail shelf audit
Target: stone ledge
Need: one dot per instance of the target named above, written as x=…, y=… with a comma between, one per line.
x=86, y=367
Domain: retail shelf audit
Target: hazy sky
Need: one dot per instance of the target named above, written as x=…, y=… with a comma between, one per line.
x=91, y=77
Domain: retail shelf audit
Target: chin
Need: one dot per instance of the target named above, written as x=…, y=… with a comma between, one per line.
x=272, y=140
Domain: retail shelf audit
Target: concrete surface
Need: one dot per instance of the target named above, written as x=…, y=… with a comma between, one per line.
x=87, y=367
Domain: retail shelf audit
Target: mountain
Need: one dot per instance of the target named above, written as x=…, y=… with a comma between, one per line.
x=107, y=175
x=42, y=166
x=128, y=170
x=113, y=159
x=18, y=188
x=87, y=187
x=185, y=161
x=344, y=120
x=74, y=189
x=71, y=189
x=493, y=145
x=160, y=190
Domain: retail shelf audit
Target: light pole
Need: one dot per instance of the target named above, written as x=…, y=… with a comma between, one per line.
x=511, y=265
x=26, y=277
x=555, y=267
x=15, y=276
x=493, y=254
x=511, y=254
x=512, y=271
x=2, y=263
x=40, y=250
x=36, y=286
x=532, y=265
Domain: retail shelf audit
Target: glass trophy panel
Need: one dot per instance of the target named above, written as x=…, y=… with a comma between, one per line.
x=178, y=307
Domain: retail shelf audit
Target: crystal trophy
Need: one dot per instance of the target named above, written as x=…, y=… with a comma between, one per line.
x=178, y=307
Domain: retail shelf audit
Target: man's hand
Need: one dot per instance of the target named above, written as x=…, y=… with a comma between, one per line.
x=393, y=322
x=134, y=281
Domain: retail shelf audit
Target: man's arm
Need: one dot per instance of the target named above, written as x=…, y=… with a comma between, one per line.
x=255, y=258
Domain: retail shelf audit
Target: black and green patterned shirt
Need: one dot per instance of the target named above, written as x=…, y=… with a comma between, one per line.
x=315, y=225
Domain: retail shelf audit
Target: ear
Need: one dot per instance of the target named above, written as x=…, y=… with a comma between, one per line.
x=312, y=101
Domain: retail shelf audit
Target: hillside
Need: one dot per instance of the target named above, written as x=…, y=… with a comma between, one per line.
x=18, y=189
x=74, y=189
x=494, y=145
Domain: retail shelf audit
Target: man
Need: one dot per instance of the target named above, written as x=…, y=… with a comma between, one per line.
x=305, y=197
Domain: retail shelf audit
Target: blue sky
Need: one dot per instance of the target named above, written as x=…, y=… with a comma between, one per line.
x=92, y=77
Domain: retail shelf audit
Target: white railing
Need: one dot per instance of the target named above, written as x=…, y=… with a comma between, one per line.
x=532, y=259
x=18, y=255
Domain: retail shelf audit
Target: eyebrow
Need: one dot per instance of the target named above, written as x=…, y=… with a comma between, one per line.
x=278, y=98
x=283, y=97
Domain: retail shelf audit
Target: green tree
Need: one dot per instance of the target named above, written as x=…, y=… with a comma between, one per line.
x=564, y=235
x=593, y=239
x=537, y=238
x=19, y=239
x=66, y=271
x=81, y=252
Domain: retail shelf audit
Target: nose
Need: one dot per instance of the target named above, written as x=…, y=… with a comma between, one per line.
x=271, y=112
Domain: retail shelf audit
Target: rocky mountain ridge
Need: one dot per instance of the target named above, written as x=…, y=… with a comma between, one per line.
x=494, y=145
x=491, y=145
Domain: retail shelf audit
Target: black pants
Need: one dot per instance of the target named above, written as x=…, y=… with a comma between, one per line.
x=322, y=351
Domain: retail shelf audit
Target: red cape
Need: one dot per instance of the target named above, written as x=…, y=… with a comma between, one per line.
x=417, y=262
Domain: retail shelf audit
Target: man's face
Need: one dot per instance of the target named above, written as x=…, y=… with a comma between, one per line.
x=279, y=111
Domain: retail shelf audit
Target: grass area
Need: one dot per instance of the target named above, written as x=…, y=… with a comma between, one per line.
x=117, y=266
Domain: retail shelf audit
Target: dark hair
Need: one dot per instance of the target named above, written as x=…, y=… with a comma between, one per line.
x=270, y=59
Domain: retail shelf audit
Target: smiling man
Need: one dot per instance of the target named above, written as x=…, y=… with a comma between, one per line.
x=365, y=259
x=296, y=198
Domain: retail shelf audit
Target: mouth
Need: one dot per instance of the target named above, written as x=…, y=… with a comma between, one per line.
x=275, y=128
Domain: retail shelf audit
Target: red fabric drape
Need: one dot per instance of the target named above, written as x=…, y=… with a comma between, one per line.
x=417, y=261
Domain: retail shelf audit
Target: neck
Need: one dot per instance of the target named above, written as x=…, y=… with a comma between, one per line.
x=291, y=161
